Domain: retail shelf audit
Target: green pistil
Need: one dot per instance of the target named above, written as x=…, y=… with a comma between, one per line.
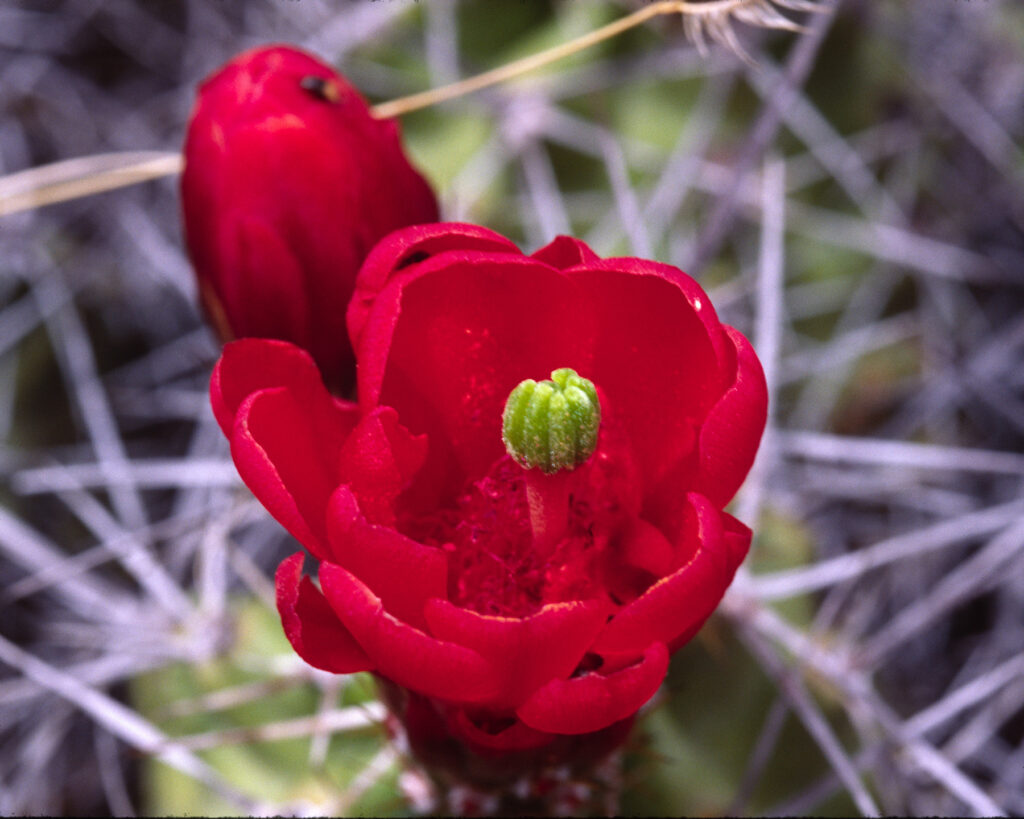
x=552, y=425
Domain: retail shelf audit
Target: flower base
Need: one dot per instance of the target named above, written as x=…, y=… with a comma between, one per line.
x=570, y=775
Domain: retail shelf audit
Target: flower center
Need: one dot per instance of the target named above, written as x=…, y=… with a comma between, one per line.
x=496, y=564
x=549, y=521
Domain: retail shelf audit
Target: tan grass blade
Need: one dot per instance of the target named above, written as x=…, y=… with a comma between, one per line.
x=82, y=176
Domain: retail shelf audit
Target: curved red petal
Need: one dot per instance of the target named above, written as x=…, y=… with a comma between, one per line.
x=564, y=252
x=593, y=701
x=252, y=364
x=409, y=246
x=665, y=503
x=311, y=625
x=403, y=654
x=634, y=559
x=680, y=601
x=644, y=546
x=737, y=539
x=404, y=574
x=287, y=467
x=655, y=355
x=694, y=294
x=378, y=461
x=527, y=652
x=732, y=431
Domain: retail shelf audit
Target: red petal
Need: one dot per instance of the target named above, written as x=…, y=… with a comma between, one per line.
x=445, y=344
x=528, y=651
x=289, y=469
x=378, y=461
x=409, y=246
x=634, y=560
x=254, y=364
x=404, y=574
x=655, y=355
x=691, y=290
x=565, y=251
x=402, y=653
x=665, y=503
x=311, y=626
x=737, y=539
x=644, y=546
x=732, y=431
x=591, y=702
x=681, y=601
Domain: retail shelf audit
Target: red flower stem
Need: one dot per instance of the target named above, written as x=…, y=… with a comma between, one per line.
x=548, y=498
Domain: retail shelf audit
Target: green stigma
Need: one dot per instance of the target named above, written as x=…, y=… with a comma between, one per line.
x=552, y=425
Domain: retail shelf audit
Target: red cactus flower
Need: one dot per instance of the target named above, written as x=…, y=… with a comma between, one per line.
x=288, y=183
x=513, y=612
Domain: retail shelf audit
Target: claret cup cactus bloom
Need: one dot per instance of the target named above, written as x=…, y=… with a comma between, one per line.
x=288, y=184
x=517, y=595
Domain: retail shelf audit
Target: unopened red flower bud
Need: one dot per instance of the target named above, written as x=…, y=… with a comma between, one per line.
x=288, y=184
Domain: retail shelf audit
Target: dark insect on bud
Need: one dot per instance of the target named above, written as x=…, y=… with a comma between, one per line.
x=322, y=89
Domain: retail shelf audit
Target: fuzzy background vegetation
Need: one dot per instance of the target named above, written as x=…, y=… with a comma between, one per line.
x=853, y=200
